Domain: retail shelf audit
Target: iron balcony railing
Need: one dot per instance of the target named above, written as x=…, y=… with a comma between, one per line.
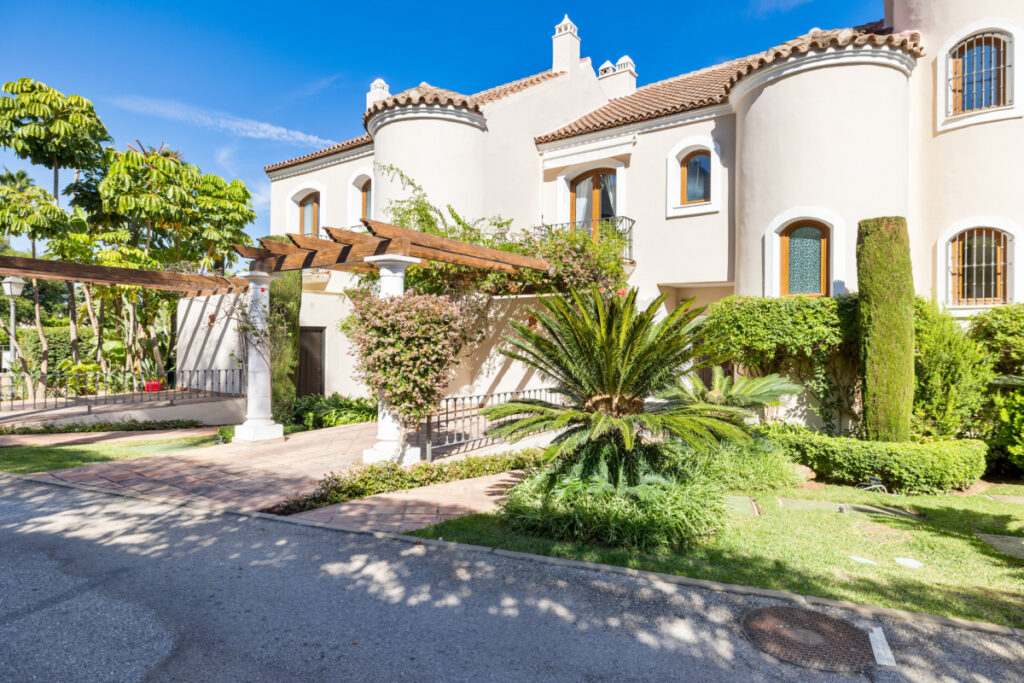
x=20, y=391
x=458, y=422
x=620, y=225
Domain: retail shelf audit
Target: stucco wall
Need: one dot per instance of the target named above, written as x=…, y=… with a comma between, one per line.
x=205, y=346
x=828, y=144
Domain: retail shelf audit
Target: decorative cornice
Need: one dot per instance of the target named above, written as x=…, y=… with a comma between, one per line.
x=322, y=162
x=885, y=56
x=375, y=120
x=638, y=128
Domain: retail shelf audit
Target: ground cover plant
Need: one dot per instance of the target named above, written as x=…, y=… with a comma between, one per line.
x=369, y=480
x=811, y=552
x=316, y=411
x=29, y=459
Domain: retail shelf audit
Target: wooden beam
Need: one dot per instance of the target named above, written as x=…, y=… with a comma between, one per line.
x=352, y=237
x=280, y=248
x=314, y=243
x=106, y=275
x=251, y=252
x=337, y=255
x=455, y=246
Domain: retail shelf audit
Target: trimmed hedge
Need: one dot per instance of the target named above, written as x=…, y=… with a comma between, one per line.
x=369, y=480
x=886, y=321
x=933, y=467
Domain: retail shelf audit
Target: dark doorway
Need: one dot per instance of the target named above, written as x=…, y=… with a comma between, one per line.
x=311, y=360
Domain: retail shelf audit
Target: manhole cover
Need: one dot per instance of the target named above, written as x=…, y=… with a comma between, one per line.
x=808, y=638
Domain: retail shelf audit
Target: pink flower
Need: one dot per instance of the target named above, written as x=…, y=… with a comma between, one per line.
x=622, y=291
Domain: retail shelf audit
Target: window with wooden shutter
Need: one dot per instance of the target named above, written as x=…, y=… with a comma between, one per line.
x=980, y=73
x=979, y=267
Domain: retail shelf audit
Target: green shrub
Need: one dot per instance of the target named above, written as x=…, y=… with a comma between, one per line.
x=930, y=467
x=1001, y=330
x=369, y=480
x=761, y=465
x=118, y=426
x=658, y=513
x=59, y=340
x=1008, y=431
x=886, y=323
x=316, y=411
x=952, y=373
x=285, y=302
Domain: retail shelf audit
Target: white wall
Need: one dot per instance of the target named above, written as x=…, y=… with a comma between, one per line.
x=205, y=346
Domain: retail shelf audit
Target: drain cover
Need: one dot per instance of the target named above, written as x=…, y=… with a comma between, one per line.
x=808, y=638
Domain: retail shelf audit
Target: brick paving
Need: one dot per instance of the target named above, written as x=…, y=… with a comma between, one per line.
x=247, y=476
x=416, y=508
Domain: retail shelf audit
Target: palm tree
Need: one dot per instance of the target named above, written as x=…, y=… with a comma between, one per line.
x=606, y=358
x=19, y=180
x=742, y=392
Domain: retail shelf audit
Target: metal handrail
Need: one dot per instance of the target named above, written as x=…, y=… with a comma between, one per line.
x=21, y=391
x=457, y=420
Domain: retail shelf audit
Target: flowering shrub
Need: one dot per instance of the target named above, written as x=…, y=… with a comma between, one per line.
x=405, y=348
x=578, y=261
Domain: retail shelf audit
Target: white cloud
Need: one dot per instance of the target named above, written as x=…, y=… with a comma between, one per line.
x=763, y=8
x=260, y=195
x=225, y=158
x=316, y=87
x=206, y=118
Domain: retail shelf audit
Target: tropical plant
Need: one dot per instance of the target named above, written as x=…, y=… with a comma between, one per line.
x=606, y=358
x=886, y=321
x=19, y=180
x=740, y=392
x=316, y=411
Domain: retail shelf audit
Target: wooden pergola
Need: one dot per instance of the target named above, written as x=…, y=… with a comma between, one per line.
x=187, y=284
x=347, y=250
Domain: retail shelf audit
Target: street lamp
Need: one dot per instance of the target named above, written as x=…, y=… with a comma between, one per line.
x=12, y=285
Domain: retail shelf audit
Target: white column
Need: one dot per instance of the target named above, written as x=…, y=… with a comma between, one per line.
x=259, y=423
x=389, y=430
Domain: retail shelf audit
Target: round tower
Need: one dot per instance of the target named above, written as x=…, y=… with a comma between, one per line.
x=433, y=136
x=822, y=142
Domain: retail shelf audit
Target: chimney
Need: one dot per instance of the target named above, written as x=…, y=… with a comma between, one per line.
x=565, y=47
x=618, y=80
x=378, y=91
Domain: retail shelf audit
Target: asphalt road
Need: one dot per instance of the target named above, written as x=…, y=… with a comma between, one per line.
x=96, y=587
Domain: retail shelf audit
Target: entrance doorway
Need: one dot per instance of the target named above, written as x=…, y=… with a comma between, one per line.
x=311, y=361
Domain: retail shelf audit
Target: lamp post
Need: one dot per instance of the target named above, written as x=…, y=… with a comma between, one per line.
x=12, y=285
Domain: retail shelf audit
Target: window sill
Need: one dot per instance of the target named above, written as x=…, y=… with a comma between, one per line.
x=962, y=311
x=701, y=209
x=981, y=116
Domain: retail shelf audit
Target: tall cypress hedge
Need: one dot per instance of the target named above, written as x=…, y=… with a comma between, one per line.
x=886, y=317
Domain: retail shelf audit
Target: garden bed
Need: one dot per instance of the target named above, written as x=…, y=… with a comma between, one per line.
x=812, y=552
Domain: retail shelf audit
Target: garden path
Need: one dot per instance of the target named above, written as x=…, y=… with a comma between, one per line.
x=412, y=509
x=246, y=476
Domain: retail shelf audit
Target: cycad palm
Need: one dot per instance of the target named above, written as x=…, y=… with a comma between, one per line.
x=606, y=357
x=741, y=392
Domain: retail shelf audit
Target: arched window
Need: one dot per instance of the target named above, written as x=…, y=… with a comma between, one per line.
x=980, y=73
x=366, y=193
x=695, y=178
x=804, y=251
x=593, y=199
x=309, y=214
x=979, y=267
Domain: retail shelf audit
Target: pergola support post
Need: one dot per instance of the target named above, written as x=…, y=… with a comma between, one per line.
x=259, y=422
x=389, y=430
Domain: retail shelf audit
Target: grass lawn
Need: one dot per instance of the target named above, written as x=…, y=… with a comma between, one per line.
x=809, y=552
x=29, y=459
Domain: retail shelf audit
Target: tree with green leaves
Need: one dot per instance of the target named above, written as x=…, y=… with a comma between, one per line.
x=606, y=357
x=18, y=180
x=886, y=319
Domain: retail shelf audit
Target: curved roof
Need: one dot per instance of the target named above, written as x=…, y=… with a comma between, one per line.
x=712, y=85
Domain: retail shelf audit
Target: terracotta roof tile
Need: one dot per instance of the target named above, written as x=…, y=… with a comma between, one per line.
x=501, y=91
x=712, y=85
x=340, y=147
x=424, y=93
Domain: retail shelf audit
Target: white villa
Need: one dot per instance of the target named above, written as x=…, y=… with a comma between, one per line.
x=747, y=177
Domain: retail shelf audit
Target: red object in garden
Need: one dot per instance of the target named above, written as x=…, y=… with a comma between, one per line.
x=622, y=291
x=153, y=385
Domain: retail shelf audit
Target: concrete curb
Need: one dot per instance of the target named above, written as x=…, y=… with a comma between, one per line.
x=863, y=610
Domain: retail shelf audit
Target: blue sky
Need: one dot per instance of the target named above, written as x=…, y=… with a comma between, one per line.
x=239, y=86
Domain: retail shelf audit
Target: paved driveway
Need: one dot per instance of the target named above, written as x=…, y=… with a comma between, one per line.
x=101, y=587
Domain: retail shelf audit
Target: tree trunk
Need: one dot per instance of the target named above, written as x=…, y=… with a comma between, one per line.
x=13, y=337
x=157, y=358
x=76, y=356
x=56, y=184
x=90, y=311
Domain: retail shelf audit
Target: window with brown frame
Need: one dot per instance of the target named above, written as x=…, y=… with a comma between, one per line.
x=979, y=73
x=366, y=194
x=695, y=178
x=593, y=199
x=309, y=215
x=979, y=267
x=804, y=253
